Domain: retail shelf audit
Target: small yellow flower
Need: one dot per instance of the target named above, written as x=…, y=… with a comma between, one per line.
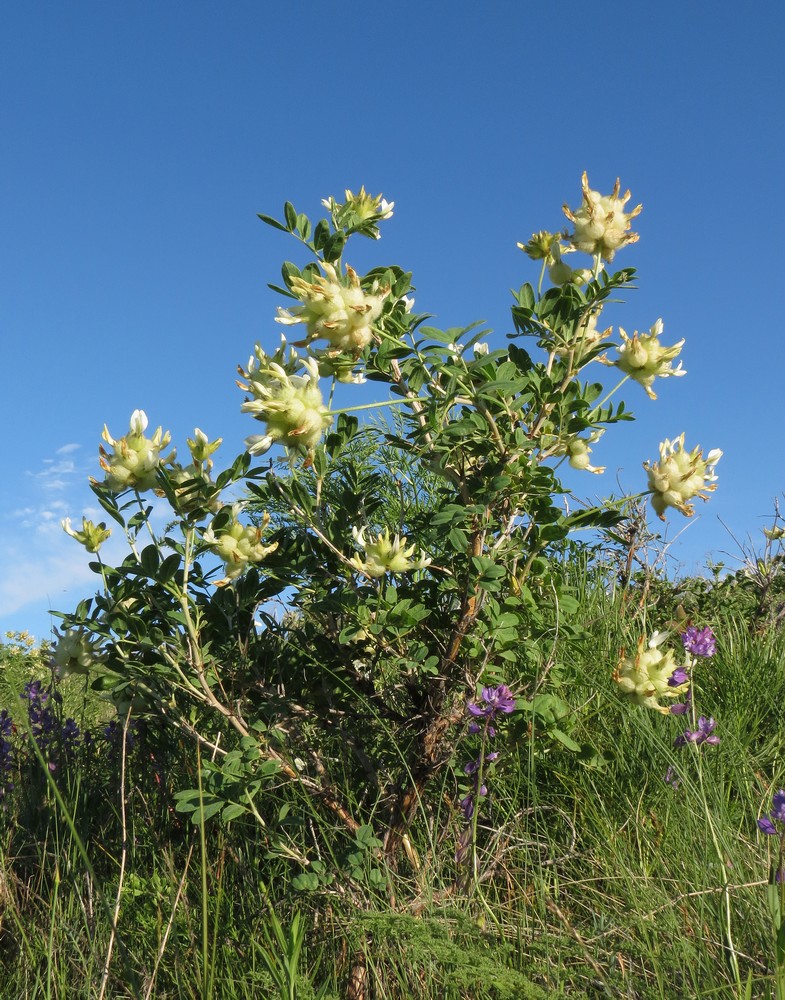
x=238, y=544
x=680, y=476
x=601, y=225
x=644, y=677
x=643, y=358
x=539, y=246
x=385, y=554
x=136, y=459
x=92, y=536
x=75, y=652
x=290, y=405
x=202, y=448
x=336, y=309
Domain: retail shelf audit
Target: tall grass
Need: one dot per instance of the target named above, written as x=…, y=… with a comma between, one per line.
x=596, y=877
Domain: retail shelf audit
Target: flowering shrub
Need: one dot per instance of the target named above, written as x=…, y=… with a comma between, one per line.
x=341, y=611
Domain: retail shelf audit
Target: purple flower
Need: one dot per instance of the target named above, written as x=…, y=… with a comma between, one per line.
x=497, y=700
x=703, y=734
x=683, y=707
x=699, y=641
x=777, y=815
x=467, y=807
x=678, y=677
x=672, y=778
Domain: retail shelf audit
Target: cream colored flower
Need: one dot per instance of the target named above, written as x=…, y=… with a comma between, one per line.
x=644, y=677
x=643, y=358
x=290, y=405
x=680, y=476
x=363, y=205
x=136, y=459
x=336, y=309
x=75, y=652
x=601, y=225
x=202, y=448
x=385, y=555
x=238, y=544
x=92, y=536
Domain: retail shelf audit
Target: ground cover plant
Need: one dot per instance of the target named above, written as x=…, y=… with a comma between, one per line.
x=363, y=715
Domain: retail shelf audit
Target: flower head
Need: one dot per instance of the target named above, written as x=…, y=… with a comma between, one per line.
x=578, y=449
x=645, y=677
x=92, y=536
x=703, y=734
x=360, y=212
x=643, y=358
x=238, y=544
x=768, y=824
x=290, y=405
x=681, y=475
x=385, y=555
x=539, y=246
x=601, y=225
x=75, y=652
x=136, y=459
x=202, y=448
x=699, y=641
x=336, y=309
x=498, y=700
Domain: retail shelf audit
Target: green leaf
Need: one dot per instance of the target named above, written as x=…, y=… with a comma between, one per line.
x=169, y=567
x=232, y=811
x=306, y=882
x=271, y=222
x=150, y=560
x=566, y=741
x=321, y=234
x=333, y=247
x=290, y=215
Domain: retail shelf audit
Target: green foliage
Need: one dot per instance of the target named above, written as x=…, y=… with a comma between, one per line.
x=306, y=653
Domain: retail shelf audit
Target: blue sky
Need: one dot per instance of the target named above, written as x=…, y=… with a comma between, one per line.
x=140, y=140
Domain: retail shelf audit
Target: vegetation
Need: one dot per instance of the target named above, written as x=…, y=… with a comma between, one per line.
x=382, y=727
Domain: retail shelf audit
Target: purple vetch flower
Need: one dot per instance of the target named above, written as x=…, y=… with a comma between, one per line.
x=497, y=700
x=683, y=707
x=699, y=641
x=678, y=677
x=703, y=734
x=777, y=815
x=467, y=806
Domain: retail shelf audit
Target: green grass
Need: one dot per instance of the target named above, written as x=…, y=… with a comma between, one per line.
x=597, y=878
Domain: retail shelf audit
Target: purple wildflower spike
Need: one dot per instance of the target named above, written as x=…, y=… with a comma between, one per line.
x=699, y=641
